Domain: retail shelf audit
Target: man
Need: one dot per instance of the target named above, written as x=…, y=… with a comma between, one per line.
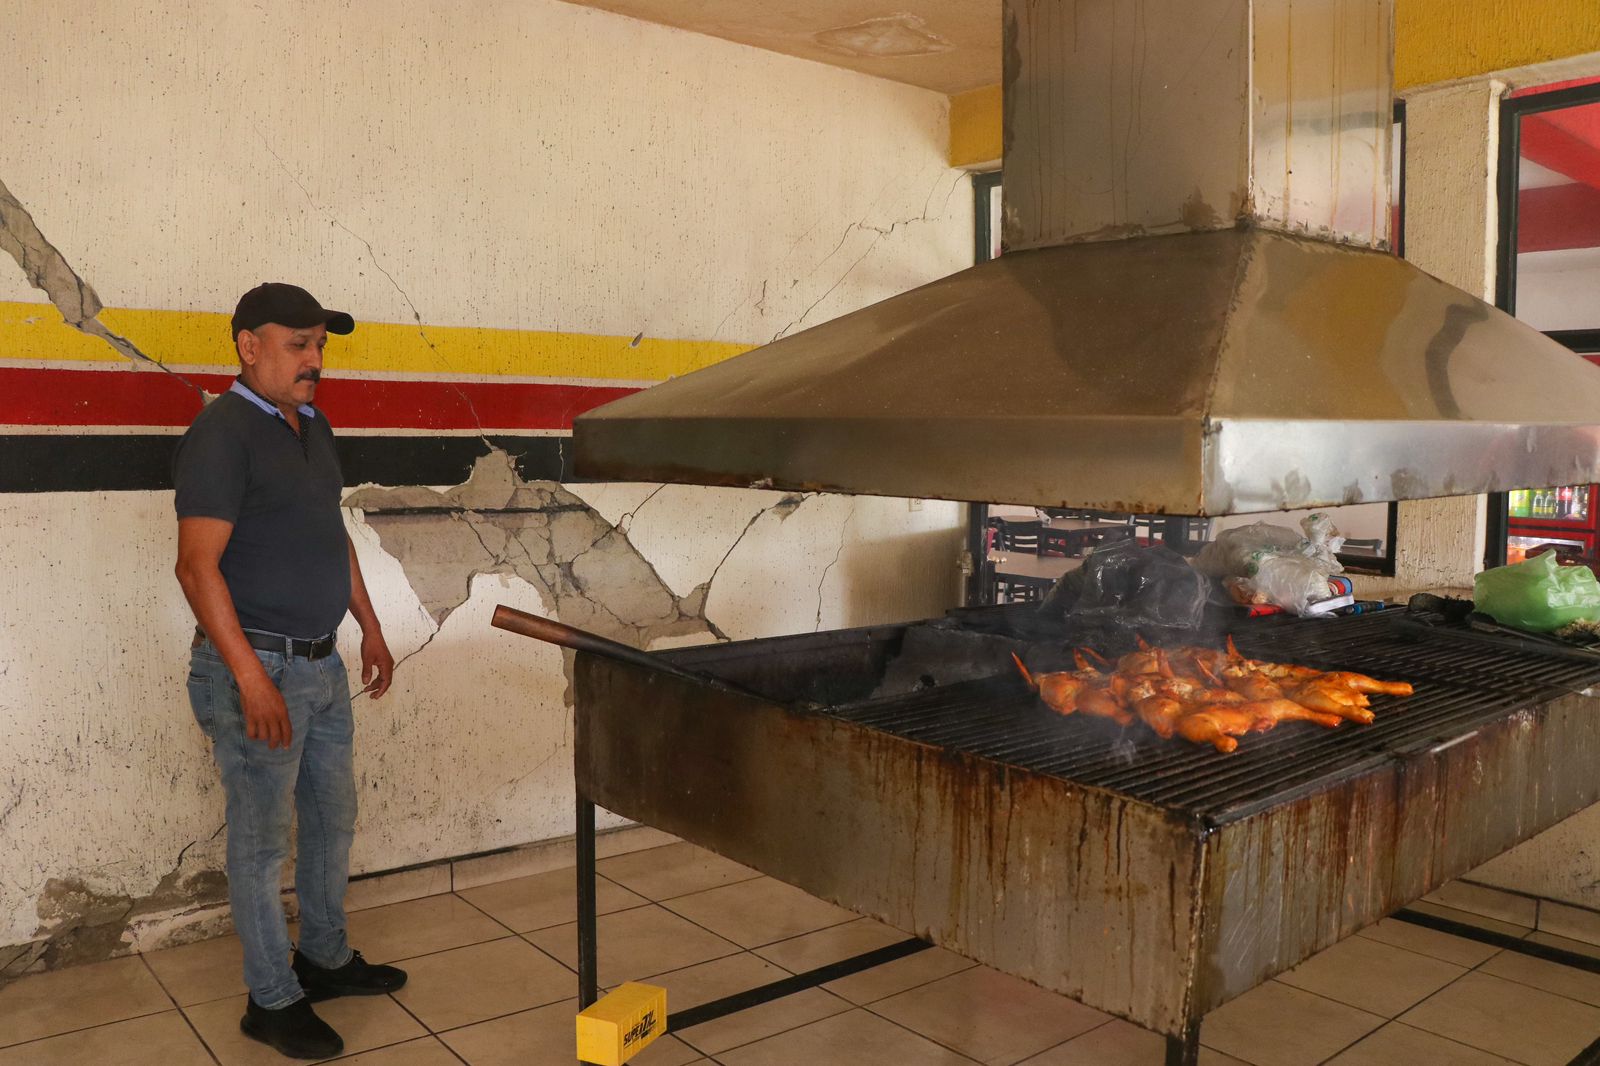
x=269, y=571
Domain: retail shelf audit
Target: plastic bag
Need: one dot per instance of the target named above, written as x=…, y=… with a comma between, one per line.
x=1537, y=595
x=1238, y=552
x=1293, y=582
x=1234, y=551
x=1130, y=585
x=1262, y=563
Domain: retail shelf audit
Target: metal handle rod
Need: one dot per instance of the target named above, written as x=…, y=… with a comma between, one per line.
x=553, y=632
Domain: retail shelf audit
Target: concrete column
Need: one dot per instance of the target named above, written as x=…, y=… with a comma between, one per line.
x=1452, y=145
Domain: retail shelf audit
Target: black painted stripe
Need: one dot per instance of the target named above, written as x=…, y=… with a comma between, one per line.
x=788, y=986
x=121, y=462
x=1500, y=940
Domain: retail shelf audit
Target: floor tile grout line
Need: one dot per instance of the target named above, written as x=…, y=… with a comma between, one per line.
x=485, y=913
x=947, y=1047
x=868, y=1008
x=755, y=876
x=1362, y=933
x=452, y=1052
x=840, y=925
x=737, y=946
x=920, y=984
x=86, y=1028
x=151, y=970
x=1396, y=1020
x=780, y=940
x=1093, y=1029
x=1450, y=1039
x=1322, y=995
x=187, y=1021
x=573, y=970
x=1538, y=988
x=848, y=1006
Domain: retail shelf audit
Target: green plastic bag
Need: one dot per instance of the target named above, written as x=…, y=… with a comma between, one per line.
x=1538, y=595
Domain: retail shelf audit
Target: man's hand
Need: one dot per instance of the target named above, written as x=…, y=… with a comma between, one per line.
x=265, y=716
x=375, y=660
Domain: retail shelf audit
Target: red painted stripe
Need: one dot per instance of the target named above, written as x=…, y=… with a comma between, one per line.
x=1535, y=90
x=1558, y=216
x=149, y=398
x=1567, y=142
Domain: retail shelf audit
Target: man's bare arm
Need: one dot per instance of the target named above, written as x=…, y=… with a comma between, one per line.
x=201, y=542
x=375, y=657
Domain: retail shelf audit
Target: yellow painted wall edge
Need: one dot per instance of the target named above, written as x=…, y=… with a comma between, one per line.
x=1435, y=41
x=35, y=332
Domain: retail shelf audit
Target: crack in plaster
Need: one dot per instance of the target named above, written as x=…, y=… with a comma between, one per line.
x=844, y=535
x=622, y=522
x=12, y=805
x=584, y=568
x=48, y=271
x=880, y=232
x=372, y=254
x=179, y=863
x=760, y=301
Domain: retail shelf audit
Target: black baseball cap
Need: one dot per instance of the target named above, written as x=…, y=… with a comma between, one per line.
x=287, y=305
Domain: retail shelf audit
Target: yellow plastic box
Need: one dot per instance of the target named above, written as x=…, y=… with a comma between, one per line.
x=622, y=1024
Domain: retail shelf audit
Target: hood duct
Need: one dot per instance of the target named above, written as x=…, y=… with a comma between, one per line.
x=1194, y=314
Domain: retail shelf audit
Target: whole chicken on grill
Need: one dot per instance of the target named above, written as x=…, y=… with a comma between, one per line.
x=1206, y=695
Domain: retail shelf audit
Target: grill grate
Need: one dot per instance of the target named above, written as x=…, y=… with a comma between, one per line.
x=1463, y=681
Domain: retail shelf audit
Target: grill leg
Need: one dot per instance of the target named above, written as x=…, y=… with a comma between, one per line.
x=588, y=961
x=1184, y=1050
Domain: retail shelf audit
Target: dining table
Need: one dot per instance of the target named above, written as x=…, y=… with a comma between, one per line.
x=1025, y=568
x=1070, y=536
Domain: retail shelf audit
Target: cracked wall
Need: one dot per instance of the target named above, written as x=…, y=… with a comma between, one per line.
x=496, y=199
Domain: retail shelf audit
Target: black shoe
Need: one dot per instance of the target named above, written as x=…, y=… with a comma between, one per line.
x=358, y=977
x=295, y=1030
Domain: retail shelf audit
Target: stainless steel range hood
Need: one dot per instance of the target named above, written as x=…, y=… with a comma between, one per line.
x=1194, y=314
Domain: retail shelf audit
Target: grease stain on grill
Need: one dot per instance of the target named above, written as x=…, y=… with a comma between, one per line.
x=974, y=817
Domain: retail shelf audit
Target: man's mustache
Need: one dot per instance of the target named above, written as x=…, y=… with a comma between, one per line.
x=313, y=375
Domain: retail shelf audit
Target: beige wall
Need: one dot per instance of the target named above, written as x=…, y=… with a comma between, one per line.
x=527, y=165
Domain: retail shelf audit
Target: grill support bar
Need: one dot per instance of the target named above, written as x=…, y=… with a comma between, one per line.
x=1184, y=1050
x=588, y=954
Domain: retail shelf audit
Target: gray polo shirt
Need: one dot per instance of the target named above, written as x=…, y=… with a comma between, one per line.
x=287, y=562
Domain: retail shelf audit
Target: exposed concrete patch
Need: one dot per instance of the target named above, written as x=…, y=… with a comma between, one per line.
x=83, y=921
x=586, y=570
x=48, y=270
x=900, y=34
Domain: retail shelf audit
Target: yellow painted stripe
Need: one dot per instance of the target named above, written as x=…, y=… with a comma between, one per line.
x=200, y=338
x=975, y=127
x=1442, y=40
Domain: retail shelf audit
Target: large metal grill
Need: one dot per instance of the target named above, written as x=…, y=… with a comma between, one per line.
x=1462, y=680
x=1151, y=879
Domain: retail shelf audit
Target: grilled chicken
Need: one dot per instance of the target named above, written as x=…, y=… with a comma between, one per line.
x=1216, y=725
x=1330, y=697
x=1272, y=711
x=1206, y=695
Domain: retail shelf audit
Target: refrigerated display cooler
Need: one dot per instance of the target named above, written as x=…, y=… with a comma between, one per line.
x=1562, y=515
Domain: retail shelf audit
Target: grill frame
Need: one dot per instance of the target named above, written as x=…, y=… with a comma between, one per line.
x=1154, y=911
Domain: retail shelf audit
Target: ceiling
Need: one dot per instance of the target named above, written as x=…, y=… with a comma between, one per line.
x=949, y=46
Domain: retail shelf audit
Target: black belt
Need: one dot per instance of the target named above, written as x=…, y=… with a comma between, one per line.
x=318, y=648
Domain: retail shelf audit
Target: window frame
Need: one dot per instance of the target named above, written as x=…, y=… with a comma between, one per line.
x=1507, y=186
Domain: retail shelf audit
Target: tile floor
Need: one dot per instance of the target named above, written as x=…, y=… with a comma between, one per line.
x=492, y=984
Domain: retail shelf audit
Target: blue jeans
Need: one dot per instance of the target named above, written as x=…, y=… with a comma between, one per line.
x=263, y=787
